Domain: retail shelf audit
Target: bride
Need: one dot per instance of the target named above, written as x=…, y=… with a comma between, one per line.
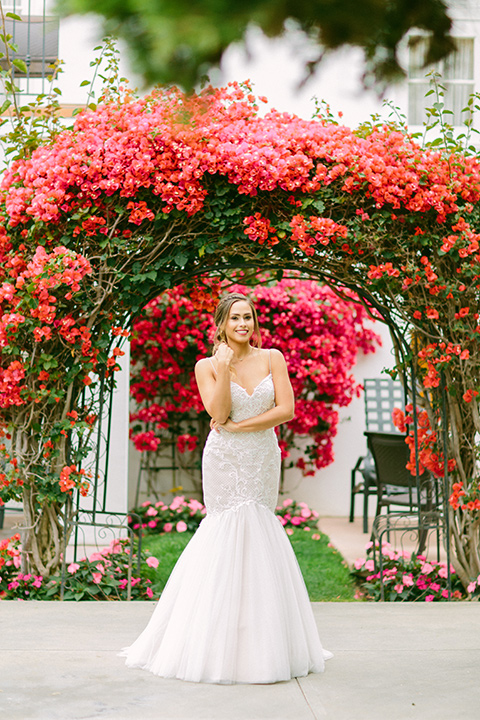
x=235, y=608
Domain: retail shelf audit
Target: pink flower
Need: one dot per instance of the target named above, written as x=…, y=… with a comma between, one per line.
x=445, y=593
x=149, y=592
x=287, y=502
x=289, y=531
x=315, y=536
x=369, y=565
x=358, y=563
x=152, y=524
x=282, y=519
x=73, y=567
x=152, y=511
x=95, y=556
x=38, y=581
x=305, y=512
x=296, y=521
x=398, y=588
x=408, y=579
x=168, y=527
x=181, y=526
x=471, y=587
x=435, y=587
x=307, y=529
x=426, y=568
x=152, y=562
x=429, y=598
x=97, y=578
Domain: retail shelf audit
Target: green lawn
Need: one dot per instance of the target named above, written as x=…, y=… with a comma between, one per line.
x=325, y=573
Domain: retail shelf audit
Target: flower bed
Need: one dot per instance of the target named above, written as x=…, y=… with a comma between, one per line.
x=406, y=577
x=157, y=517
x=183, y=514
x=102, y=576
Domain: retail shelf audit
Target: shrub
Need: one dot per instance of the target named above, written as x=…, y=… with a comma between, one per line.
x=101, y=576
x=405, y=577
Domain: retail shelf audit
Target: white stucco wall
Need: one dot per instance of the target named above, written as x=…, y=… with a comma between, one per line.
x=328, y=492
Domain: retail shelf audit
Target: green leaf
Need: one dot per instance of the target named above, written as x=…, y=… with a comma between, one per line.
x=20, y=65
x=13, y=16
x=319, y=205
x=181, y=259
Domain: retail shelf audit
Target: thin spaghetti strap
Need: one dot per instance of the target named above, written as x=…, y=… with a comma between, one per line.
x=213, y=366
x=269, y=363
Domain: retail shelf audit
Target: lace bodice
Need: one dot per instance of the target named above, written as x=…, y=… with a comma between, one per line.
x=243, y=467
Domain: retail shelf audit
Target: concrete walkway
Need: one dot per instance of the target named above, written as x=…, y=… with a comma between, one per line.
x=392, y=662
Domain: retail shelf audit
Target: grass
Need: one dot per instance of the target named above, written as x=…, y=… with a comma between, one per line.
x=325, y=573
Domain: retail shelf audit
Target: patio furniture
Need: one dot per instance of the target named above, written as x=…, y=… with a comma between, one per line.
x=381, y=396
x=411, y=502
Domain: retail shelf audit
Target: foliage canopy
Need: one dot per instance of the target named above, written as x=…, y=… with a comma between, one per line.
x=177, y=41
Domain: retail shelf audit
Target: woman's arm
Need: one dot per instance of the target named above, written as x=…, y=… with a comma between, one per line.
x=215, y=389
x=284, y=409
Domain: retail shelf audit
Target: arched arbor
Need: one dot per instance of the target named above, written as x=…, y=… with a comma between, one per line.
x=143, y=194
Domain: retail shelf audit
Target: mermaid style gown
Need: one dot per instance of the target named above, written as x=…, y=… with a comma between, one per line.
x=235, y=608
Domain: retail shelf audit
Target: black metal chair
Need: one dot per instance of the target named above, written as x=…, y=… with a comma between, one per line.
x=381, y=396
x=411, y=502
x=414, y=497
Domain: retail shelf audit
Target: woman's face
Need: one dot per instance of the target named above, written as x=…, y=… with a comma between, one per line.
x=240, y=324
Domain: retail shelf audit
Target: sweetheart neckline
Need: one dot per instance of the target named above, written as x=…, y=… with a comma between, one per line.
x=256, y=386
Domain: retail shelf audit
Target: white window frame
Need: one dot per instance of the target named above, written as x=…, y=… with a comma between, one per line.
x=417, y=80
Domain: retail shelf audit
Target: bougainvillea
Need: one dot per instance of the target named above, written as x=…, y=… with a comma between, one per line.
x=158, y=190
x=318, y=333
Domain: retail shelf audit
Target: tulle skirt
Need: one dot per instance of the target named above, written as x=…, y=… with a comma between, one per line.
x=235, y=608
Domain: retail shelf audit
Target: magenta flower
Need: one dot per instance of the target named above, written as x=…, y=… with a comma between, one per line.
x=168, y=527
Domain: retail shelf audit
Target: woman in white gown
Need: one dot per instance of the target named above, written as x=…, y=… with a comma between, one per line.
x=235, y=608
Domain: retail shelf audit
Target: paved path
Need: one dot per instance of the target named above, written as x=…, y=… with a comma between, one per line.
x=392, y=662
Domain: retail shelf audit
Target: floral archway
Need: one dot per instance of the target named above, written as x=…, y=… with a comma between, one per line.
x=144, y=194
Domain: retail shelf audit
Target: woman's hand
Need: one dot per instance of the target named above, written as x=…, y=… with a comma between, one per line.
x=229, y=425
x=224, y=354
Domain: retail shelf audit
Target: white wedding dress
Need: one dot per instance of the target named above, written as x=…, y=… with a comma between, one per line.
x=235, y=608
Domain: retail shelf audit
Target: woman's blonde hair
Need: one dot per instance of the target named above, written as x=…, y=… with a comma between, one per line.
x=222, y=313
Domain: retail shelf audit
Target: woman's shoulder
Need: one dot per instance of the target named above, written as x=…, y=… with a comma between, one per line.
x=274, y=358
x=275, y=355
x=204, y=364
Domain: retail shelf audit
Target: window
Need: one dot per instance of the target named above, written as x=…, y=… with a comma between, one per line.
x=14, y=6
x=37, y=40
x=457, y=77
